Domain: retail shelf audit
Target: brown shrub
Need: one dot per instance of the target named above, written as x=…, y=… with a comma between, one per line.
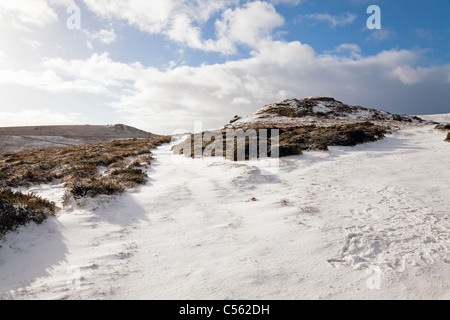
x=92, y=189
x=292, y=141
x=18, y=209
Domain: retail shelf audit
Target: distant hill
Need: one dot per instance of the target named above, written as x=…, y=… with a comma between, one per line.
x=15, y=139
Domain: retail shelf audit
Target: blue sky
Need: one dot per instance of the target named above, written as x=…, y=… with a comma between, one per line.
x=161, y=65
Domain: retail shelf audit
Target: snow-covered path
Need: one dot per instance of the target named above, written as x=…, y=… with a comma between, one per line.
x=364, y=222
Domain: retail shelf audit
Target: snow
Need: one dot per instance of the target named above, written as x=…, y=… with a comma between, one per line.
x=369, y=222
x=445, y=118
x=360, y=114
x=321, y=108
x=51, y=192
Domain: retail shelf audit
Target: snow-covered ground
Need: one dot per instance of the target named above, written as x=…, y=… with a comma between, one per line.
x=443, y=118
x=369, y=222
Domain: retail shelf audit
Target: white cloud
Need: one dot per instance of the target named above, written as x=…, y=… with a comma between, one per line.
x=288, y=2
x=182, y=20
x=410, y=75
x=33, y=44
x=283, y=71
x=333, y=20
x=161, y=100
x=181, y=30
x=379, y=35
x=241, y=101
x=148, y=16
x=3, y=57
x=249, y=25
x=98, y=69
x=32, y=117
x=406, y=74
x=25, y=14
x=351, y=47
x=89, y=45
x=48, y=80
x=156, y=16
x=352, y=50
x=105, y=36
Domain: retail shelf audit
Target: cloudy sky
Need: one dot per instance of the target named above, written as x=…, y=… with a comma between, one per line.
x=160, y=65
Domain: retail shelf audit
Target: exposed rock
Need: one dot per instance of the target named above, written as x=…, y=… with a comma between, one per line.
x=443, y=127
x=235, y=118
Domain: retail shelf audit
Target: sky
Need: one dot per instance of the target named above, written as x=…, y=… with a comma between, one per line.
x=161, y=65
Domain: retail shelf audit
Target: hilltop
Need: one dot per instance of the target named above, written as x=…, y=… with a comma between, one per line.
x=322, y=111
x=313, y=123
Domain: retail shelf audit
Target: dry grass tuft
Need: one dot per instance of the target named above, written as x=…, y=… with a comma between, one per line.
x=17, y=209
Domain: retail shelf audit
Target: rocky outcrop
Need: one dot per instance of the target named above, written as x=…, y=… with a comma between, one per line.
x=324, y=108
